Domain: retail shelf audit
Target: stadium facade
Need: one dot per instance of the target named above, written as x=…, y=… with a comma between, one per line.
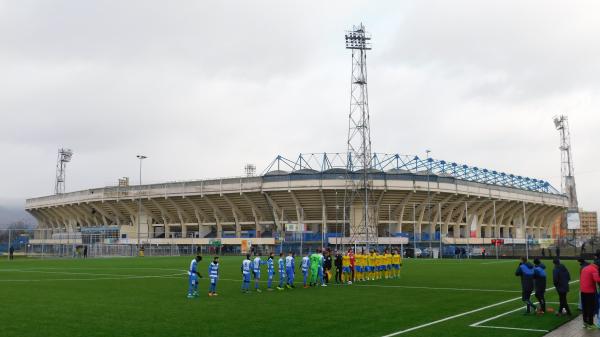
x=303, y=200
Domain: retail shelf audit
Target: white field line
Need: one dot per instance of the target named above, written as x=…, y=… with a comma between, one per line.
x=92, y=268
x=479, y=324
x=68, y=273
x=457, y=315
x=509, y=328
x=438, y=288
x=503, y=261
x=124, y=277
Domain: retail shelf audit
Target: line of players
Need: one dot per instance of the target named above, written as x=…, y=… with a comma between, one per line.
x=286, y=268
x=372, y=266
x=315, y=268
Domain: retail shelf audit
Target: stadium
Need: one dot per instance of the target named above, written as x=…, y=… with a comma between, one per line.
x=415, y=199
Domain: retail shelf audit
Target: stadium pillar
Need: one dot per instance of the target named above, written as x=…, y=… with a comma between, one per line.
x=219, y=229
x=238, y=228
x=183, y=230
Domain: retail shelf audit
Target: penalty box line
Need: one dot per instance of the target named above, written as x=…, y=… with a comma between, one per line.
x=479, y=324
x=459, y=315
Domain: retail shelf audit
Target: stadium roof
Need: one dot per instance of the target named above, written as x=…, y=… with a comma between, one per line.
x=396, y=164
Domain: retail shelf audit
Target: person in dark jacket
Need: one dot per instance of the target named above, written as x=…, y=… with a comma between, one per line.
x=539, y=280
x=561, y=278
x=525, y=271
x=327, y=266
x=338, y=267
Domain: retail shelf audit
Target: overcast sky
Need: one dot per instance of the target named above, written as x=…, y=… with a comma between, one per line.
x=203, y=87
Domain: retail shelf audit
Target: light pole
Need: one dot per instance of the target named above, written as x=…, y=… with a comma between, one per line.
x=429, y=204
x=140, y=157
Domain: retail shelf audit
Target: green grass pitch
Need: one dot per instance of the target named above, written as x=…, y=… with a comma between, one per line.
x=147, y=297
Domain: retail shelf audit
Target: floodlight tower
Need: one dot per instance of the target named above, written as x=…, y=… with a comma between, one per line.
x=359, y=154
x=64, y=156
x=571, y=219
x=250, y=170
x=567, y=173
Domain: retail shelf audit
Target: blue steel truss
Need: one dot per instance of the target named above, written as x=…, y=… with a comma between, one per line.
x=311, y=163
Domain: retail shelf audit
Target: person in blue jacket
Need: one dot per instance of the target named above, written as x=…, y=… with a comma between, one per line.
x=539, y=280
x=525, y=271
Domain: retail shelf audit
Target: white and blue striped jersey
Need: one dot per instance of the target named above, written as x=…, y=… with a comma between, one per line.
x=289, y=262
x=321, y=260
x=305, y=263
x=213, y=270
x=246, y=266
x=281, y=266
x=193, y=267
x=256, y=264
x=270, y=266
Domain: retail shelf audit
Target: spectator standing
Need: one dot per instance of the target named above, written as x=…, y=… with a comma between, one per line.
x=582, y=264
x=561, y=278
x=525, y=271
x=539, y=280
x=587, y=285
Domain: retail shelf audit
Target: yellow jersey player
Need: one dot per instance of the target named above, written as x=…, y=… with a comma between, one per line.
x=396, y=263
x=370, y=266
x=346, y=272
x=388, y=264
x=359, y=266
x=380, y=266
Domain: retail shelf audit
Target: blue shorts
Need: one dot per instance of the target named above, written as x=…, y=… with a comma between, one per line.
x=247, y=277
x=256, y=275
x=396, y=266
x=270, y=275
x=305, y=272
x=345, y=269
x=359, y=269
x=193, y=279
x=368, y=269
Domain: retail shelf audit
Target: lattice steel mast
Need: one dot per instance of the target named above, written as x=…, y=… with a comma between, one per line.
x=359, y=138
x=64, y=156
x=567, y=173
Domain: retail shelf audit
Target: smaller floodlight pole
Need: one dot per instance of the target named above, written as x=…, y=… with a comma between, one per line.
x=429, y=204
x=64, y=156
x=140, y=157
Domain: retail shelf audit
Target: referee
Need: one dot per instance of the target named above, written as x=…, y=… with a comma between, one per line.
x=327, y=265
x=338, y=267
